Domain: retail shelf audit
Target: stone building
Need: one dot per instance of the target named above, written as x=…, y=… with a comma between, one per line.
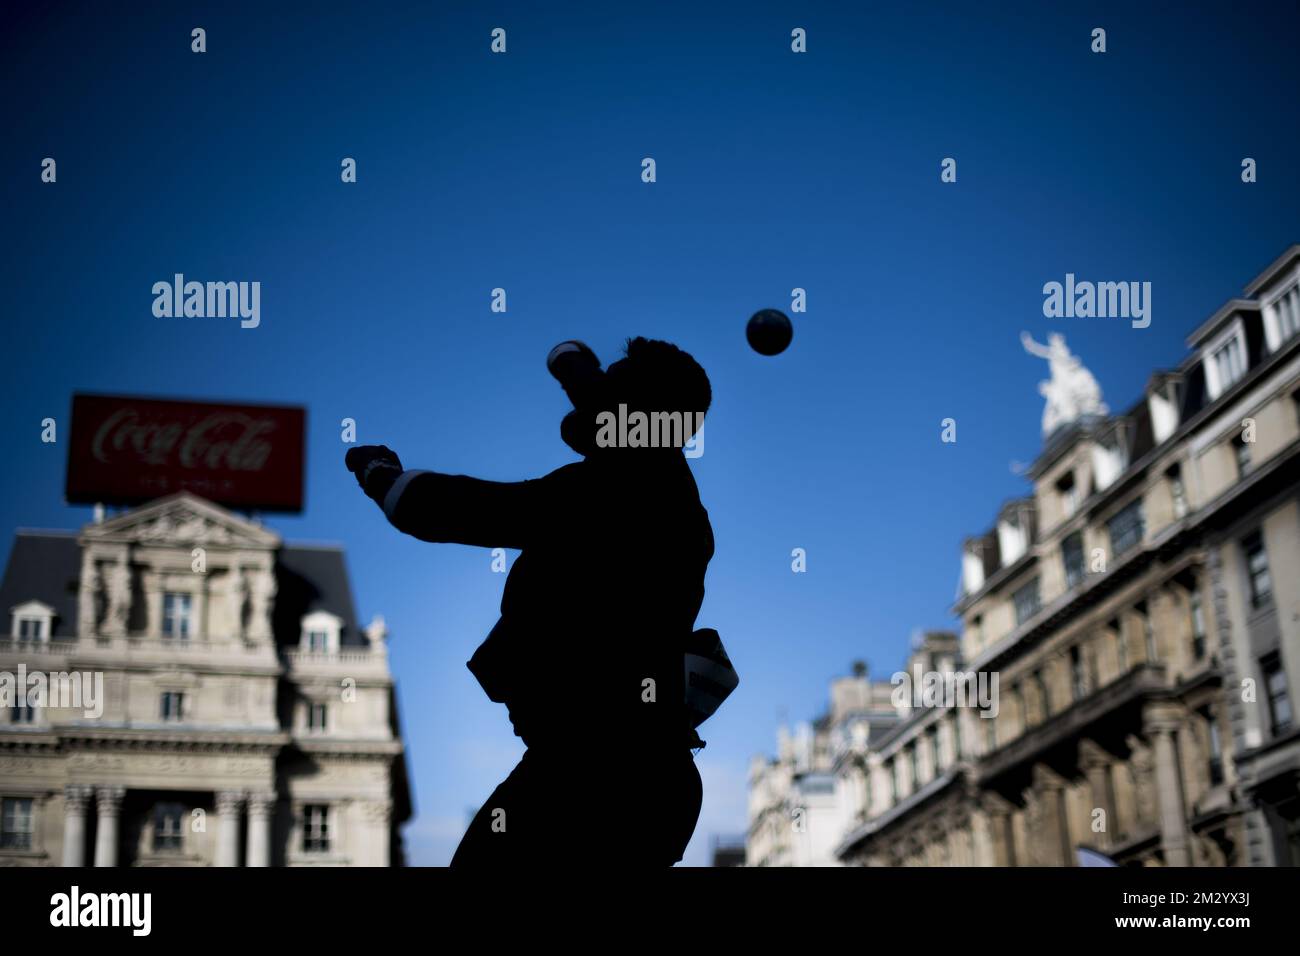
x=798, y=801
x=210, y=700
x=1140, y=610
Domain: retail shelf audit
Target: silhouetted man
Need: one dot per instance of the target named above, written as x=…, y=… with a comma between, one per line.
x=588, y=652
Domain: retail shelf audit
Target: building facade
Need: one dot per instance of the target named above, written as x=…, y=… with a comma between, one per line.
x=1140, y=609
x=209, y=699
x=799, y=802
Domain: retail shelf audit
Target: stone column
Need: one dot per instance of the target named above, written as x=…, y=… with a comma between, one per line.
x=260, y=808
x=1160, y=722
x=995, y=846
x=1053, y=824
x=153, y=604
x=108, y=801
x=1095, y=763
x=229, y=804
x=200, y=621
x=88, y=595
x=75, y=801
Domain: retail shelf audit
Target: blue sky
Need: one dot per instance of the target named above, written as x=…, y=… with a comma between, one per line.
x=522, y=171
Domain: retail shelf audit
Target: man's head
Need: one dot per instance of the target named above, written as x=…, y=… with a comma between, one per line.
x=655, y=376
x=665, y=385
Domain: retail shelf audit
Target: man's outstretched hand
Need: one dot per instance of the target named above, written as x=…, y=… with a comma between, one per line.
x=376, y=468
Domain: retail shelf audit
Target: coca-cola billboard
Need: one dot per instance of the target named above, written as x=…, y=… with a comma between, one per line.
x=126, y=450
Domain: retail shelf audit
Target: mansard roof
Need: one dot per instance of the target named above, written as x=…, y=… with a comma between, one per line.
x=46, y=565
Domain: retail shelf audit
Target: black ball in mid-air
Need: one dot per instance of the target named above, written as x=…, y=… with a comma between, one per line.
x=769, y=331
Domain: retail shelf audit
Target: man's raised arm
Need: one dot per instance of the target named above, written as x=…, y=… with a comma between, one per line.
x=447, y=508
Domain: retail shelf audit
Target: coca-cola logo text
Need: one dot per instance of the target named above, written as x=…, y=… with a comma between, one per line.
x=222, y=440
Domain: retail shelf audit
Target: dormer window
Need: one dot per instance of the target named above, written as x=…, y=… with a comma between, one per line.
x=1282, y=317
x=972, y=569
x=1013, y=537
x=1109, y=459
x=1230, y=363
x=1225, y=361
x=1162, y=404
x=31, y=622
x=320, y=633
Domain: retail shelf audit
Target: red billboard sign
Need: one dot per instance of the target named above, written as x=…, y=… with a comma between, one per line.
x=126, y=450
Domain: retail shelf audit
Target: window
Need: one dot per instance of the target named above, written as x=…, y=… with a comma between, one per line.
x=1279, y=698
x=168, y=827
x=1148, y=630
x=1121, y=645
x=1287, y=307
x=1072, y=556
x=1241, y=451
x=1215, y=742
x=1044, y=698
x=1026, y=601
x=316, y=714
x=1077, y=685
x=990, y=733
x=1177, y=491
x=1126, y=528
x=1198, y=625
x=1068, y=492
x=895, y=787
x=915, y=766
x=1022, y=712
x=319, y=632
x=177, y=611
x=932, y=741
x=173, y=705
x=315, y=828
x=1261, y=584
x=21, y=713
x=16, y=823
x=958, y=752
x=1230, y=363
x=32, y=621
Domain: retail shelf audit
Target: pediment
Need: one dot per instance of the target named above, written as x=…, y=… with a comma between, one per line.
x=182, y=519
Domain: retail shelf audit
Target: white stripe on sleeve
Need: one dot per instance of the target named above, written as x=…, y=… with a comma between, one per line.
x=395, y=493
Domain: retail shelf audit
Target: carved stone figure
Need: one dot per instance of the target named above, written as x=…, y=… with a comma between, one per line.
x=262, y=590
x=1142, y=767
x=238, y=590
x=1072, y=392
x=377, y=631
x=88, y=599
x=119, y=598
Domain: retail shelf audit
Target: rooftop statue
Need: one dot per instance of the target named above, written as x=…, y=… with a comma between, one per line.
x=1072, y=393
